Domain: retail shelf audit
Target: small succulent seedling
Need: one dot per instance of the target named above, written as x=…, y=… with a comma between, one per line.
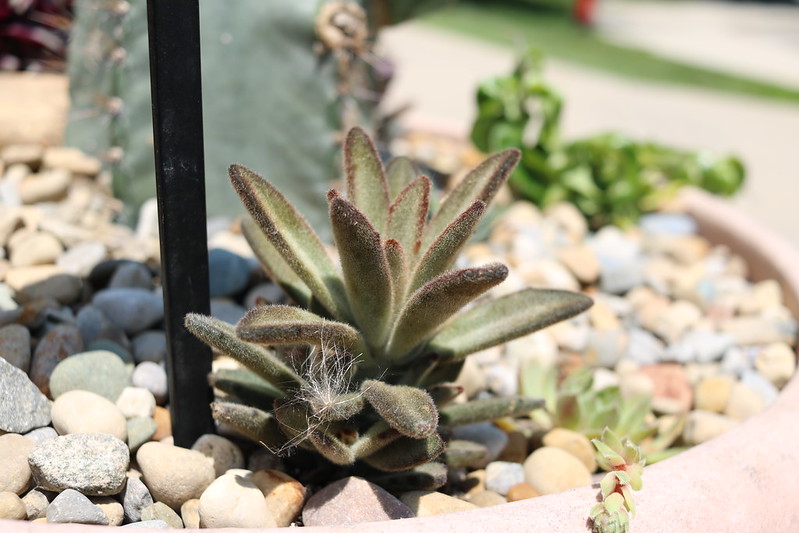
x=575, y=404
x=622, y=461
x=362, y=367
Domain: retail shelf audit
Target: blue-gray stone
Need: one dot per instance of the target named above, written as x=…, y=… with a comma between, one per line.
x=135, y=497
x=132, y=309
x=29, y=409
x=644, y=347
x=667, y=224
x=15, y=346
x=114, y=347
x=149, y=346
x=229, y=273
x=101, y=372
x=484, y=433
x=132, y=274
x=93, y=324
x=140, y=430
x=73, y=507
x=226, y=310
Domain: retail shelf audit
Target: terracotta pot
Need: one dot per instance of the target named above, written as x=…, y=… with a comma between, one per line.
x=745, y=480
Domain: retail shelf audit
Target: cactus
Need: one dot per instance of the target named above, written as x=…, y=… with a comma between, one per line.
x=264, y=58
x=622, y=461
x=361, y=369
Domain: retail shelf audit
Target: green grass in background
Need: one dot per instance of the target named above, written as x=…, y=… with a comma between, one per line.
x=548, y=26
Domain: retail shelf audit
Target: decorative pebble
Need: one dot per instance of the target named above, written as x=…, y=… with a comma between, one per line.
x=36, y=503
x=46, y=186
x=15, y=346
x=761, y=385
x=223, y=453
x=229, y=272
x=161, y=511
x=522, y=491
x=581, y=261
x=92, y=463
x=109, y=345
x=80, y=259
x=551, y=470
x=135, y=497
x=132, y=309
x=284, y=495
x=776, y=363
x=151, y=376
x=101, y=372
x=15, y=473
x=111, y=508
x=574, y=443
x=71, y=159
x=190, y=513
x=12, y=507
x=163, y=423
x=713, y=393
x=30, y=408
x=44, y=281
x=701, y=426
x=80, y=411
x=136, y=402
x=744, y=402
x=172, y=474
x=61, y=342
x=502, y=475
x=39, y=435
x=429, y=503
x=352, y=500
x=485, y=433
x=487, y=498
x=670, y=383
x=40, y=248
x=226, y=310
x=131, y=275
x=233, y=500
x=149, y=346
x=140, y=430
x=73, y=507
x=150, y=524
x=93, y=324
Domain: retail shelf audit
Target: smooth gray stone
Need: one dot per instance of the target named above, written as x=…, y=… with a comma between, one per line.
x=135, y=497
x=30, y=408
x=73, y=507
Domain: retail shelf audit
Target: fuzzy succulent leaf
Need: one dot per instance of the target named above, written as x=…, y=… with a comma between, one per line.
x=400, y=171
x=254, y=423
x=331, y=447
x=408, y=213
x=342, y=407
x=398, y=269
x=293, y=238
x=365, y=267
x=367, y=186
x=376, y=437
x=482, y=183
x=409, y=410
x=222, y=336
x=443, y=251
x=274, y=264
x=285, y=324
x=246, y=386
x=294, y=419
x=505, y=318
x=406, y=452
x=486, y=410
x=443, y=393
x=435, y=302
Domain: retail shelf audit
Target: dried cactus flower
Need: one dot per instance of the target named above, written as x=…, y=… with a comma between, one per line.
x=361, y=369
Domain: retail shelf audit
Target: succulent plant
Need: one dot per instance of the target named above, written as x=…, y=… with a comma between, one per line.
x=622, y=461
x=361, y=369
x=576, y=405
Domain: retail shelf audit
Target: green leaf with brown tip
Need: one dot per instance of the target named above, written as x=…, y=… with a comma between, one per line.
x=435, y=302
x=254, y=423
x=222, y=336
x=409, y=410
x=505, y=319
x=405, y=453
x=376, y=437
x=444, y=250
x=444, y=393
x=285, y=324
x=293, y=238
x=367, y=187
x=276, y=267
x=482, y=183
x=486, y=410
x=408, y=213
x=365, y=268
x=400, y=171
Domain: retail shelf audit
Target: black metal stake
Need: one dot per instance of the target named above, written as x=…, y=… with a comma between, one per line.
x=174, y=37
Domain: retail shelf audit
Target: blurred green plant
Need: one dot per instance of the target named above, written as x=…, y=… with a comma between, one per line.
x=577, y=405
x=622, y=461
x=611, y=178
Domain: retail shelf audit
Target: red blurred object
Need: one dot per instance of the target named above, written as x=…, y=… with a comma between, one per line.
x=583, y=11
x=34, y=34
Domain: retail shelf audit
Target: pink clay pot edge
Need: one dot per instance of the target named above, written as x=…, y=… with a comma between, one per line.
x=744, y=480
